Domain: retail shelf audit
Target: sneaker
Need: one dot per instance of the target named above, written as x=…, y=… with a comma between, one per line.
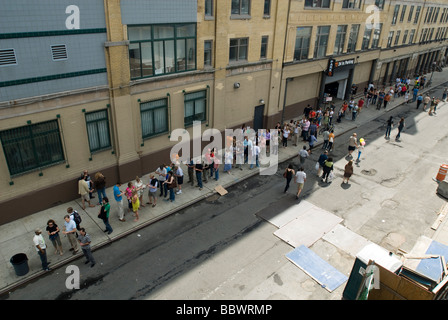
x=179, y=192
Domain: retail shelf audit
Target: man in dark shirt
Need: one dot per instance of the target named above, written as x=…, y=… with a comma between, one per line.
x=199, y=168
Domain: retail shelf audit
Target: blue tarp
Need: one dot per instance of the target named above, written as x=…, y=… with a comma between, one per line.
x=317, y=268
x=432, y=268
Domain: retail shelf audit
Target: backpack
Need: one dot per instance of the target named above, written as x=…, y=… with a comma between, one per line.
x=76, y=217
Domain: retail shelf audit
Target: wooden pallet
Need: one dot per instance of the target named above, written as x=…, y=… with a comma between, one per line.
x=441, y=215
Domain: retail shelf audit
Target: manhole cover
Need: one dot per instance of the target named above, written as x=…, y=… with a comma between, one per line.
x=370, y=172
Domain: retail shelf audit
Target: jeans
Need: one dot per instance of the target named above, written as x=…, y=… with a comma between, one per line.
x=172, y=196
x=163, y=188
x=199, y=178
x=88, y=254
x=217, y=174
x=388, y=131
x=101, y=195
x=43, y=259
x=256, y=163
x=106, y=223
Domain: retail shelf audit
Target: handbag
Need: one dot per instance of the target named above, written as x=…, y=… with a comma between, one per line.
x=102, y=213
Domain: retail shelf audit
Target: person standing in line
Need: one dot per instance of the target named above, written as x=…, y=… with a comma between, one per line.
x=389, y=125
x=288, y=174
x=135, y=203
x=70, y=232
x=190, y=166
x=311, y=143
x=84, y=242
x=74, y=215
x=305, y=128
x=352, y=144
x=297, y=134
x=286, y=133
x=198, y=168
x=348, y=171
x=153, y=187
x=400, y=128
x=86, y=176
x=161, y=176
x=171, y=185
x=140, y=186
x=105, y=207
x=303, y=154
x=53, y=234
x=83, y=191
x=354, y=112
x=328, y=167
x=240, y=153
x=216, y=165
x=118, y=195
x=381, y=96
x=179, y=175
x=129, y=195
x=41, y=248
x=326, y=137
x=300, y=180
x=100, y=186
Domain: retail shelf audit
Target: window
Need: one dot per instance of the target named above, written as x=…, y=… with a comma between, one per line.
x=303, y=36
x=380, y=4
x=7, y=57
x=353, y=38
x=154, y=117
x=208, y=8
x=97, y=123
x=397, y=37
x=376, y=36
x=389, y=39
x=267, y=8
x=31, y=147
x=351, y=4
x=411, y=11
x=195, y=106
x=238, y=49
x=405, y=36
x=240, y=7
x=320, y=49
x=317, y=3
x=264, y=47
x=403, y=12
x=59, y=52
x=394, y=18
x=161, y=49
x=417, y=14
x=340, y=39
x=436, y=15
x=411, y=36
x=208, y=53
x=366, y=37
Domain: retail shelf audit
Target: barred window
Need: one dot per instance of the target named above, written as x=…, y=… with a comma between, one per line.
x=97, y=123
x=31, y=147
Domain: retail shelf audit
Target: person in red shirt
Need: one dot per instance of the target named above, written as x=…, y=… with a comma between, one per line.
x=360, y=104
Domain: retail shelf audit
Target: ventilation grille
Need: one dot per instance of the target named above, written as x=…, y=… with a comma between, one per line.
x=7, y=57
x=59, y=52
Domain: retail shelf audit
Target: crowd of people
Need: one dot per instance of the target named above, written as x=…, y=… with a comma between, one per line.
x=167, y=180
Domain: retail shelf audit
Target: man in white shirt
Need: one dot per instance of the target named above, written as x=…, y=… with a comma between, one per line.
x=179, y=174
x=300, y=180
x=70, y=231
x=41, y=248
x=255, y=154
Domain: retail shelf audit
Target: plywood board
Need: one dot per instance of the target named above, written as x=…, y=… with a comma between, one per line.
x=308, y=228
x=280, y=216
x=317, y=268
x=346, y=240
x=221, y=190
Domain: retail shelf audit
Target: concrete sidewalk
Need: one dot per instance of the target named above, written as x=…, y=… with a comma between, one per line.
x=16, y=237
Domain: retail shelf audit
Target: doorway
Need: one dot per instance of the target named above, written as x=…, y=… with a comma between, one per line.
x=258, y=117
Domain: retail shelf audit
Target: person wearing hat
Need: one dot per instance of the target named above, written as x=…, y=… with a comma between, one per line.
x=41, y=248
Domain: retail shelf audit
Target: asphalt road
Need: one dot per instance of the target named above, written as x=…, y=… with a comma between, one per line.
x=220, y=249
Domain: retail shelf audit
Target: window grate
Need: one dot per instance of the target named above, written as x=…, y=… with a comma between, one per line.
x=59, y=52
x=7, y=57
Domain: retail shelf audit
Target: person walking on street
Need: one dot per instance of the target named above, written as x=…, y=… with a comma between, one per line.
x=288, y=174
x=331, y=141
x=386, y=99
x=41, y=248
x=328, y=167
x=300, y=180
x=322, y=158
x=70, y=232
x=426, y=101
x=389, y=125
x=419, y=100
x=303, y=154
x=348, y=171
x=352, y=144
x=84, y=242
x=400, y=128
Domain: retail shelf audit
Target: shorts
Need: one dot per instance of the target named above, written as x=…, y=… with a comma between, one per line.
x=300, y=186
x=85, y=197
x=351, y=148
x=180, y=180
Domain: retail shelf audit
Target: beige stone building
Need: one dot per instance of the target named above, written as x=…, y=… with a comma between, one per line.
x=103, y=83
